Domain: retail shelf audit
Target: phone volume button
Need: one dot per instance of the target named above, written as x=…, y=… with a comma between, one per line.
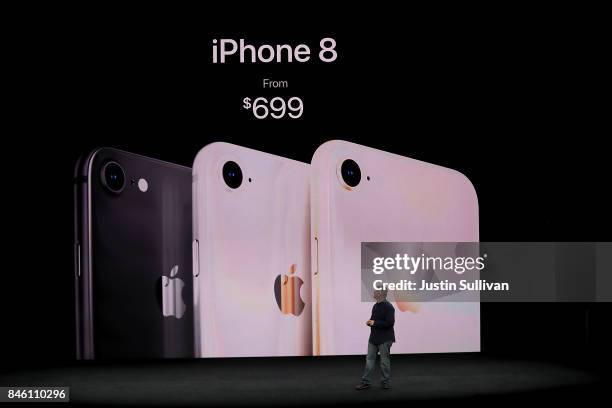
x=77, y=260
x=195, y=251
x=316, y=256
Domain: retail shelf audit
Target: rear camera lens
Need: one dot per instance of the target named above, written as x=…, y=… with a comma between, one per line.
x=351, y=173
x=232, y=174
x=113, y=177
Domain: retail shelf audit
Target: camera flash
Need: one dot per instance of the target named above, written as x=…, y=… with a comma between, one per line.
x=143, y=185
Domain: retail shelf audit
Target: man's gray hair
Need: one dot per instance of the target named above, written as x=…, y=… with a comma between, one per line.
x=381, y=292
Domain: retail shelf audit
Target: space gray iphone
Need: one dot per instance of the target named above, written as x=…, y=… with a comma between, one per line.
x=133, y=265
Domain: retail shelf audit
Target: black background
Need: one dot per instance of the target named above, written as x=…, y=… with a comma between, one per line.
x=510, y=99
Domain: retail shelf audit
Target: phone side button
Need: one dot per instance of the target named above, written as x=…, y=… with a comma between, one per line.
x=195, y=251
x=316, y=272
x=77, y=260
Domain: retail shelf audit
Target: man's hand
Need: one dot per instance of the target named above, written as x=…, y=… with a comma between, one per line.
x=370, y=323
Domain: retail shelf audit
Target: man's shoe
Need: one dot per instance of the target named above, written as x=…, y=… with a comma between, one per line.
x=362, y=386
x=386, y=386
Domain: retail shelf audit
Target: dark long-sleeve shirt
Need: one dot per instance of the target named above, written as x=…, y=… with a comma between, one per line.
x=383, y=314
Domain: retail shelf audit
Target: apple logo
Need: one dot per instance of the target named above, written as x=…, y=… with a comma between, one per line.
x=287, y=292
x=171, y=290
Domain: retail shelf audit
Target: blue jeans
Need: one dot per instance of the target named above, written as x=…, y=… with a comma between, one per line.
x=385, y=362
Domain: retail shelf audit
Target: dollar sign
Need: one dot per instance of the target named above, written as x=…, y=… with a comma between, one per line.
x=246, y=103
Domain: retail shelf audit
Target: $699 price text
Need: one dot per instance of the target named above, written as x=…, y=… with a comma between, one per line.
x=276, y=108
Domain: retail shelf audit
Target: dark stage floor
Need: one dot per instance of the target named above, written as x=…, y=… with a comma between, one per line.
x=315, y=381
